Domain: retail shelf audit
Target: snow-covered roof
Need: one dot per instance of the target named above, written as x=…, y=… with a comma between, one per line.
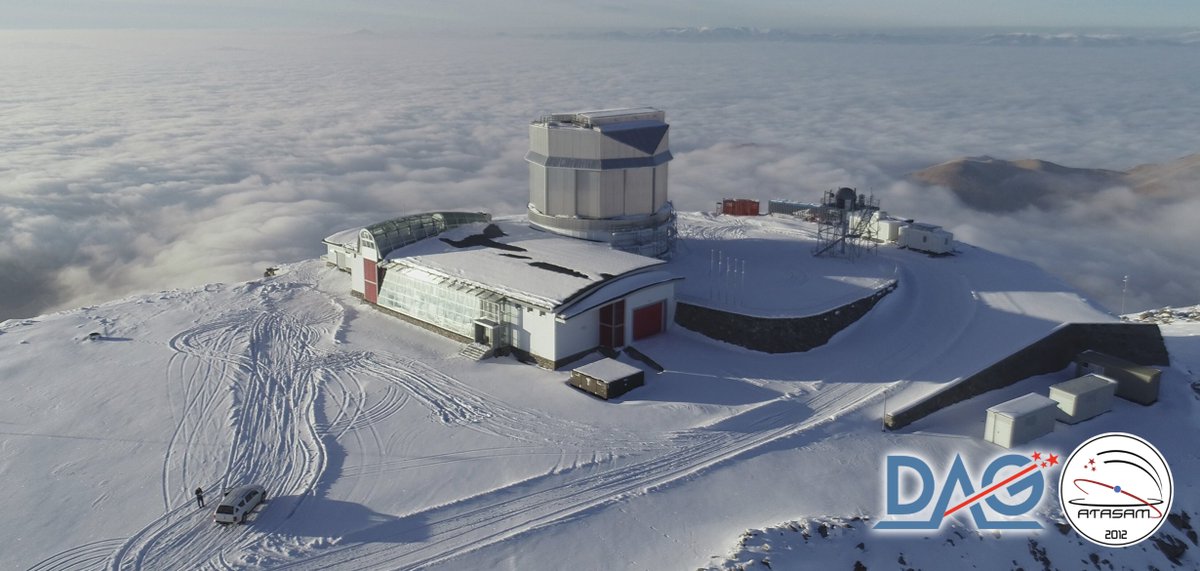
x=615, y=289
x=518, y=261
x=1024, y=405
x=1084, y=384
x=608, y=370
x=347, y=237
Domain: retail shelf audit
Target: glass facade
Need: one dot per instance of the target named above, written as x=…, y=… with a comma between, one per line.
x=392, y=234
x=442, y=301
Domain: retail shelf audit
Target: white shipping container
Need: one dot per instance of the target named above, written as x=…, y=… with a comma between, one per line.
x=888, y=230
x=926, y=238
x=1020, y=420
x=1083, y=398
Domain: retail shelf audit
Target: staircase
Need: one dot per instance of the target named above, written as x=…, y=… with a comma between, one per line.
x=476, y=351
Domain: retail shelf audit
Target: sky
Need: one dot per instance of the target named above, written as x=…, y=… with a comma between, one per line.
x=144, y=160
x=424, y=14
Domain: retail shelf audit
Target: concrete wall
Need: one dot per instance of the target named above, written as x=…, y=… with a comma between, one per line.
x=1138, y=342
x=775, y=334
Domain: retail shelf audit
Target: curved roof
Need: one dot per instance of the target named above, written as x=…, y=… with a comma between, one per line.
x=397, y=232
x=529, y=265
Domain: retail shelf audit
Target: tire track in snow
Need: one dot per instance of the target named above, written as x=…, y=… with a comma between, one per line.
x=265, y=359
x=85, y=557
x=459, y=528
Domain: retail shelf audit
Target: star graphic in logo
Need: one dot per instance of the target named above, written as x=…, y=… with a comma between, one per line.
x=1053, y=459
x=1037, y=456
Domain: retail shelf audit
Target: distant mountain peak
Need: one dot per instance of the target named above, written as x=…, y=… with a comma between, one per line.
x=997, y=185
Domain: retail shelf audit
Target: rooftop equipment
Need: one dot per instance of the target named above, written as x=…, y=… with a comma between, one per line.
x=845, y=223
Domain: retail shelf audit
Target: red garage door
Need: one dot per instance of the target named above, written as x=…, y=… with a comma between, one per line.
x=649, y=320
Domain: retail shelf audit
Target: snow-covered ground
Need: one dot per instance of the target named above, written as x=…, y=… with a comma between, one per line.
x=381, y=448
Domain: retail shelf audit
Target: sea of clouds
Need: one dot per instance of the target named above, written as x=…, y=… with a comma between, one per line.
x=136, y=161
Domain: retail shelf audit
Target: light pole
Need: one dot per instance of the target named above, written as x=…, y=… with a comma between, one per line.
x=1124, y=289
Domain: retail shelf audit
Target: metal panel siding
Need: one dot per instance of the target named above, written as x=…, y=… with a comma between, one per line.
x=660, y=186
x=587, y=194
x=537, y=188
x=639, y=191
x=560, y=195
x=611, y=148
x=612, y=193
x=539, y=140
x=587, y=145
x=664, y=144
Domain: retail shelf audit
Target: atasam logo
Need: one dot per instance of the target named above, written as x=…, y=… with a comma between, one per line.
x=1001, y=497
x=1116, y=489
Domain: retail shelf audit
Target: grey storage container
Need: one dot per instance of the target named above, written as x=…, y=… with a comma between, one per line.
x=1084, y=397
x=607, y=378
x=1020, y=420
x=1135, y=382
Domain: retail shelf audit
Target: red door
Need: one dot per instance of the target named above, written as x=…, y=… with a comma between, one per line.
x=649, y=320
x=371, y=277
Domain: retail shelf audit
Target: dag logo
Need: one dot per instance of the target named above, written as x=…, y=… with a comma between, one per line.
x=1116, y=489
x=1009, y=488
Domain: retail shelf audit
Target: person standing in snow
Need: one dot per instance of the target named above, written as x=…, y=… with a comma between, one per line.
x=199, y=497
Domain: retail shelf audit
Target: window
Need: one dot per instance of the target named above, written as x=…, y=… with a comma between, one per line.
x=224, y=509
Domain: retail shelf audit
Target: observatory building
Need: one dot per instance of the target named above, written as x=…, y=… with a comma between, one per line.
x=584, y=273
x=602, y=176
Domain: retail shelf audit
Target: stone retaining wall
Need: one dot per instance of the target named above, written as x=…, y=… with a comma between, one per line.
x=775, y=334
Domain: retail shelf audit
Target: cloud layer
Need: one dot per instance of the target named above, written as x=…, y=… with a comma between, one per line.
x=139, y=161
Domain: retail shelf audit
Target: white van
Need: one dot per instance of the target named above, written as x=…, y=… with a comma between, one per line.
x=238, y=502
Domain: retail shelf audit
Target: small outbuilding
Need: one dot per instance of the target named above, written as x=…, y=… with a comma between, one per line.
x=740, y=207
x=1020, y=420
x=607, y=378
x=887, y=230
x=1135, y=382
x=1082, y=398
x=926, y=238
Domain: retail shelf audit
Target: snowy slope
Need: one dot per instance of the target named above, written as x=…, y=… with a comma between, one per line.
x=382, y=449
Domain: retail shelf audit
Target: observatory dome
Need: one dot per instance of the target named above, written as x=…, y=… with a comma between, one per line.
x=602, y=176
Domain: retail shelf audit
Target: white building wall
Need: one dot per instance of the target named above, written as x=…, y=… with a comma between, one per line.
x=532, y=330
x=577, y=334
x=357, y=282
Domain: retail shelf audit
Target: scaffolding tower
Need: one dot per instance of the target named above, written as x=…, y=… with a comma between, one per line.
x=846, y=223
